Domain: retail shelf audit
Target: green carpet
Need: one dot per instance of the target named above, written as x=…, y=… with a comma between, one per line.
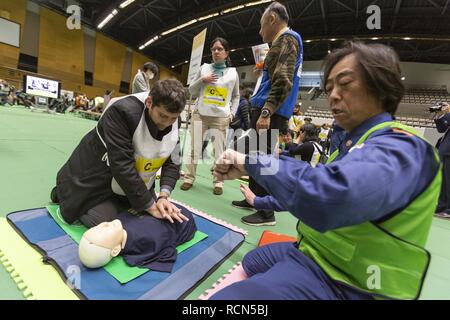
x=33, y=146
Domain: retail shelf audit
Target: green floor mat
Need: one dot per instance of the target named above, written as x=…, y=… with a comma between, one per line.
x=118, y=268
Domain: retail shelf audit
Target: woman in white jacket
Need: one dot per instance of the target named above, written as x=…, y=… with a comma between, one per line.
x=217, y=89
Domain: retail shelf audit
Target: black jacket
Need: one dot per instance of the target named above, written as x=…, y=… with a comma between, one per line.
x=242, y=117
x=442, y=125
x=85, y=180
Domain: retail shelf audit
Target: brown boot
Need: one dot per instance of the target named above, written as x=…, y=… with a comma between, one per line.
x=218, y=191
x=186, y=186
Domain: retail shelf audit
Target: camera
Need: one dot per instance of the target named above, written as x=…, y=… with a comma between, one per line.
x=436, y=108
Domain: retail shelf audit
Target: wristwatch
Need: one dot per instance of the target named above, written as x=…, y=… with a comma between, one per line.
x=162, y=197
x=265, y=113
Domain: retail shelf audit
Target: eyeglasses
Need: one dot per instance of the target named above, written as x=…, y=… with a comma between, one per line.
x=217, y=49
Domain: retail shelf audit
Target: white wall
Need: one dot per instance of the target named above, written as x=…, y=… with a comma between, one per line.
x=417, y=74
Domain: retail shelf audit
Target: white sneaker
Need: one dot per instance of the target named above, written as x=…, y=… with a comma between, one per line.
x=442, y=215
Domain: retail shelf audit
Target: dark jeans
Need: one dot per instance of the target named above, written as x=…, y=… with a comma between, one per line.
x=280, y=271
x=444, y=198
x=276, y=123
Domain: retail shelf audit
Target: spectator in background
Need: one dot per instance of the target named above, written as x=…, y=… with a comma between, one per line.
x=286, y=141
x=274, y=101
x=25, y=99
x=306, y=147
x=98, y=105
x=335, y=137
x=4, y=92
x=443, y=124
x=141, y=81
x=296, y=121
x=323, y=136
x=12, y=97
x=107, y=97
x=82, y=102
x=217, y=87
x=242, y=118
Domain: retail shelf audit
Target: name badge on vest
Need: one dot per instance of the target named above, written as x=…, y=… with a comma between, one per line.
x=215, y=96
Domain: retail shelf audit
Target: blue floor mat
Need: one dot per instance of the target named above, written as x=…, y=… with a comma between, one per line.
x=192, y=266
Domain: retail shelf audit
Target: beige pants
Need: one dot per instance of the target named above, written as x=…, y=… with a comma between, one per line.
x=217, y=128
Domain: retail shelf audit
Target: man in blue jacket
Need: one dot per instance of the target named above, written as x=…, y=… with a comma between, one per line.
x=364, y=218
x=442, y=125
x=274, y=100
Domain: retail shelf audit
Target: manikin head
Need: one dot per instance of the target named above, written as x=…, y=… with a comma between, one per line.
x=102, y=243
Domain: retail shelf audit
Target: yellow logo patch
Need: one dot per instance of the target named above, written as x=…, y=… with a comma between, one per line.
x=149, y=165
x=215, y=96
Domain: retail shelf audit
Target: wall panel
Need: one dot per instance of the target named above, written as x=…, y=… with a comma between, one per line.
x=109, y=61
x=14, y=11
x=61, y=51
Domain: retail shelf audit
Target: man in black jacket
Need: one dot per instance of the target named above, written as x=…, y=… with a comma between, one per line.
x=114, y=167
x=443, y=124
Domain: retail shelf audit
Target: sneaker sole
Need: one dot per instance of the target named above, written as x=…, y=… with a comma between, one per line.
x=260, y=224
x=246, y=208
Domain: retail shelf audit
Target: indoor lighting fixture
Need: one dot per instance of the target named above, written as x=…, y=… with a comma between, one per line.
x=208, y=16
x=126, y=3
x=212, y=15
x=107, y=19
x=233, y=9
x=256, y=3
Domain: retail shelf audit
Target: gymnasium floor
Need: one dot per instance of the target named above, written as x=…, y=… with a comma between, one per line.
x=34, y=145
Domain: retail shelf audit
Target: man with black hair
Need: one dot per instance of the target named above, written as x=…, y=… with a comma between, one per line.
x=141, y=81
x=365, y=216
x=114, y=167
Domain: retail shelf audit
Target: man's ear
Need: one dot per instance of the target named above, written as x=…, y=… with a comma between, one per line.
x=272, y=18
x=116, y=250
x=149, y=102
